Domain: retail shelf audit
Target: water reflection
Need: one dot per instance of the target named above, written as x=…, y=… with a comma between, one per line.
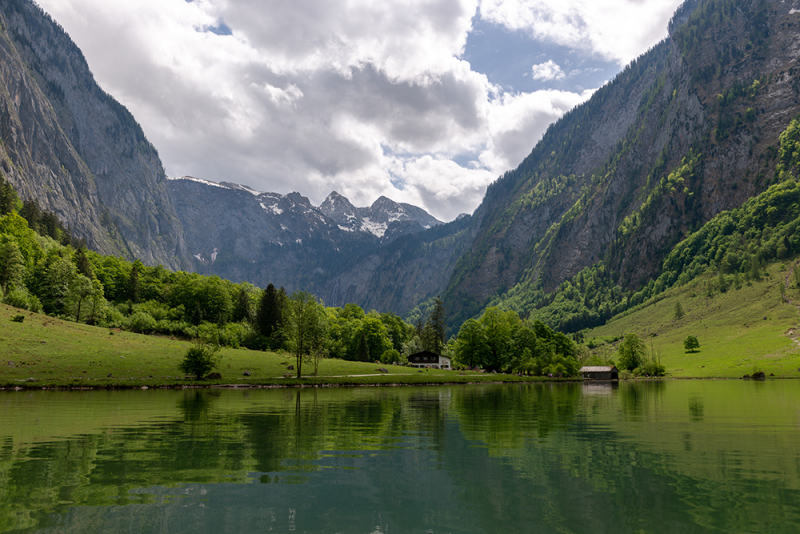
x=521, y=458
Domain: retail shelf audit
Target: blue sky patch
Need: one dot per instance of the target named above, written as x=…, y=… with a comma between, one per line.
x=507, y=58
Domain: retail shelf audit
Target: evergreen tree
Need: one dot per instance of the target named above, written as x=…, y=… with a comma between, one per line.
x=31, y=212
x=437, y=326
x=8, y=197
x=11, y=265
x=82, y=263
x=243, y=308
x=419, y=327
x=270, y=311
x=362, y=348
x=678, y=311
x=134, y=286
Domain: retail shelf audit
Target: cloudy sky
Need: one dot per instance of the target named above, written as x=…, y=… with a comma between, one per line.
x=424, y=101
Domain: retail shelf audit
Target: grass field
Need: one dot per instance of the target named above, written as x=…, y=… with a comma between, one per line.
x=740, y=331
x=56, y=353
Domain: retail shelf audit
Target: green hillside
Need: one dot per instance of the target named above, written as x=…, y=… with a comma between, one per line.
x=753, y=328
x=58, y=353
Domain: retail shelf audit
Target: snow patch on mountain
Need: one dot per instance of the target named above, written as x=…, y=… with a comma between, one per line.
x=198, y=180
x=374, y=228
x=273, y=208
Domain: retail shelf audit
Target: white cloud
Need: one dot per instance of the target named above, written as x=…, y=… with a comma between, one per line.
x=618, y=30
x=367, y=98
x=547, y=71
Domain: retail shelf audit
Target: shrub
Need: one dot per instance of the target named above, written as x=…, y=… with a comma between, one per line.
x=18, y=318
x=650, y=368
x=156, y=310
x=21, y=298
x=110, y=317
x=390, y=356
x=200, y=359
x=233, y=335
x=142, y=322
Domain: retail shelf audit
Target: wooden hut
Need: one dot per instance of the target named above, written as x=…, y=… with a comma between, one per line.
x=599, y=372
x=430, y=359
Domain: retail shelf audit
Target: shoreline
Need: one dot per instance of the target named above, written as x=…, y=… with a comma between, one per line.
x=348, y=384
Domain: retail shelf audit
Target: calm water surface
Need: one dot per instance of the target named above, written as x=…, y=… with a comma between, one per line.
x=677, y=456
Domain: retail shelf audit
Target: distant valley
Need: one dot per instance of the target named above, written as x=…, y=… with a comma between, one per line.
x=579, y=231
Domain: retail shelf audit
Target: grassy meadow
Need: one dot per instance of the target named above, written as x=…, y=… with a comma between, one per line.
x=740, y=331
x=56, y=353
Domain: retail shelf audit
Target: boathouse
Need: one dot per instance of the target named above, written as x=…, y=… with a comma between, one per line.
x=599, y=372
x=429, y=359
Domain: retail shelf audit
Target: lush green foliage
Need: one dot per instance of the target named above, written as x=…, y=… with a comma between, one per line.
x=501, y=341
x=631, y=352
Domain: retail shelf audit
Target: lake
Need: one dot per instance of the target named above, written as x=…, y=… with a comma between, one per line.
x=660, y=456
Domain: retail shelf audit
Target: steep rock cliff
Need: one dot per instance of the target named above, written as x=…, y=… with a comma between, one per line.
x=75, y=149
x=687, y=130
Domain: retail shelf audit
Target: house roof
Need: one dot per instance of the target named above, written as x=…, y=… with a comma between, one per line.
x=598, y=369
x=427, y=353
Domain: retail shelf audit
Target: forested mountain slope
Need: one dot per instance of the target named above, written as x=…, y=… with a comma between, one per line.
x=688, y=130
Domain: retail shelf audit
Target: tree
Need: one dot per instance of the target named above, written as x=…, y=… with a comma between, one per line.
x=270, y=315
x=436, y=325
x=375, y=336
x=8, y=197
x=471, y=347
x=391, y=356
x=690, y=344
x=82, y=263
x=397, y=330
x=305, y=326
x=80, y=289
x=11, y=265
x=362, y=347
x=678, y=311
x=133, y=281
x=52, y=280
x=631, y=352
x=498, y=327
x=98, y=301
x=243, y=307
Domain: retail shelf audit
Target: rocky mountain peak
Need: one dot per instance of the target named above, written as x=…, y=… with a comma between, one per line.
x=296, y=197
x=340, y=210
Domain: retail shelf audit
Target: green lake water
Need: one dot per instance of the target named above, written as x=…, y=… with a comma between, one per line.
x=673, y=456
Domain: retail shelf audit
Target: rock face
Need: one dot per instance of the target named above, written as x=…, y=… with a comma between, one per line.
x=717, y=92
x=77, y=150
x=335, y=251
x=385, y=219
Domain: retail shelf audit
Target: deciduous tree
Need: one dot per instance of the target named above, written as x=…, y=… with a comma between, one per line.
x=631, y=352
x=305, y=326
x=690, y=344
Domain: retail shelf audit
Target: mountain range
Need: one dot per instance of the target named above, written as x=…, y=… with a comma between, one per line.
x=687, y=130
